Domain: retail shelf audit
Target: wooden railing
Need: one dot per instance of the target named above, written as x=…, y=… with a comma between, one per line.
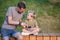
x=39, y=37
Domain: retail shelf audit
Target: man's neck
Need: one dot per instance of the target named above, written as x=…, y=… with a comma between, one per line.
x=17, y=10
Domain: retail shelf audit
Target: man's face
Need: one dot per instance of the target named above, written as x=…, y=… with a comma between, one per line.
x=22, y=10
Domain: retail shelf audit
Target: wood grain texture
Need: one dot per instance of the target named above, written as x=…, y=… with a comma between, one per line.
x=46, y=38
x=39, y=38
x=12, y=38
x=25, y=37
x=33, y=37
x=0, y=38
x=58, y=37
x=53, y=38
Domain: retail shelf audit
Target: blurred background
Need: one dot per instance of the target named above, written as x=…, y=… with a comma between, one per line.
x=47, y=11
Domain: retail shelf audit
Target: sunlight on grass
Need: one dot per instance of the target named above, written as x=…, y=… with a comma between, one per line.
x=48, y=13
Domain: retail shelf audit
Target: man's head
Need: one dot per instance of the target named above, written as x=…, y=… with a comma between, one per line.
x=21, y=7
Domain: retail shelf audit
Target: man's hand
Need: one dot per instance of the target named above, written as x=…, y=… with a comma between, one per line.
x=20, y=20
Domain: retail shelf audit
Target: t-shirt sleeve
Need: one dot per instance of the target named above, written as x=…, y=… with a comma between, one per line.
x=9, y=12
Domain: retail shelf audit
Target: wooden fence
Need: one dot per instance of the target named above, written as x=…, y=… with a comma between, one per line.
x=38, y=37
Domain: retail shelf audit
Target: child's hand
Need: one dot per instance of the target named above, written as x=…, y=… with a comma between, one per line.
x=23, y=24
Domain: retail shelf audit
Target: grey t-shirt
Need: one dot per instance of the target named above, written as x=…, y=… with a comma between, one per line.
x=15, y=17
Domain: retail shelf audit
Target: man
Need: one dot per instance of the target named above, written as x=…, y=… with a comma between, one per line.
x=13, y=19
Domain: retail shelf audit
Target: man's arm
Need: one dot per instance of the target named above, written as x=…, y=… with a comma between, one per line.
x=10, y=21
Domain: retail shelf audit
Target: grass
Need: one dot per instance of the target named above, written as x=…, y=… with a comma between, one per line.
x=48, y=13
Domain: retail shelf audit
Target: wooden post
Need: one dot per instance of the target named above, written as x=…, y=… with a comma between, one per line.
x=46, y=38
x=58, y=37
x=39, y=38
x=12, y=38
x=0, y=38
x=53, y=38
x=25, y=37
x=32, y=37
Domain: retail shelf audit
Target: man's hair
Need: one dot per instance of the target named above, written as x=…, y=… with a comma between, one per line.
x=21, y=5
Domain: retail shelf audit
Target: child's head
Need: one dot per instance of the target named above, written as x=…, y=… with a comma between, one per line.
x=31, y=14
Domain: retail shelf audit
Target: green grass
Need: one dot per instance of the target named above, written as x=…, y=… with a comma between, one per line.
x=48, y=13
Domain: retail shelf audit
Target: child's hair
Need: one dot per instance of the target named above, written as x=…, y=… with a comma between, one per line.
x=31, y=11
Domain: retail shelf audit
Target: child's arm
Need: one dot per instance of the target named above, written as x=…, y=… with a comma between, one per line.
x=38, y=26
x=35, y=29
x=25, y=30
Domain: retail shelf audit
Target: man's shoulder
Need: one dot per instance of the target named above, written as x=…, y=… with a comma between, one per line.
x=11, y=7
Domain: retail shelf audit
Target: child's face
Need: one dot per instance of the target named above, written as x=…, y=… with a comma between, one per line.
x=29, y=16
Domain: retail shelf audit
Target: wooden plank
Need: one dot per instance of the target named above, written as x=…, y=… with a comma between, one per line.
x=46, y=38
x=53, y=37
x=25, y=37
x=39, y=38
x=0, y=38
x=58, y=37
x=32, y=37
x=12, y=38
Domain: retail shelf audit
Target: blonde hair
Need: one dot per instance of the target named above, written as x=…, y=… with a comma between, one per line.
x=32, y=11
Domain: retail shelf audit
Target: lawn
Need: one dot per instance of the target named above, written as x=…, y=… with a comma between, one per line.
x=48, y=13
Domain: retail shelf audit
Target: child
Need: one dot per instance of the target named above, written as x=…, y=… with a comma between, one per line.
x=31, y=25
